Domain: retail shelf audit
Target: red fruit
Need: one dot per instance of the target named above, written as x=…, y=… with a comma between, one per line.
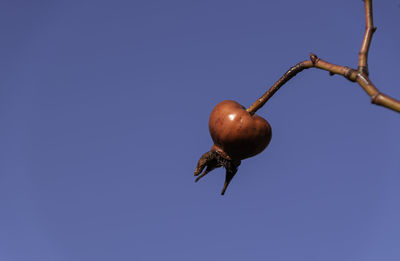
x=236, y=133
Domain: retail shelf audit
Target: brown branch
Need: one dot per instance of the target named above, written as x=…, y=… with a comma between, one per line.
x=353, y=75
x=274, y=88
x=360, y=75
x=362, y=79
x=369, y=31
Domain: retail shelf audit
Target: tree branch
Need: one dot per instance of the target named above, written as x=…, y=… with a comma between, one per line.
x=360, y=75
x=369, y=31
x=274, y=88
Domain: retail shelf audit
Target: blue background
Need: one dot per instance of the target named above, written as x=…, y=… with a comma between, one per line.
x=104, y=110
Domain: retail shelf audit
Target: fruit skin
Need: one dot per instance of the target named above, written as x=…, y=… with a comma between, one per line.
x=236, y=134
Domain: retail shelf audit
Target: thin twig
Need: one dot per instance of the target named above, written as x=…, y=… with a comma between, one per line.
x=369, y=31
x=274, y=88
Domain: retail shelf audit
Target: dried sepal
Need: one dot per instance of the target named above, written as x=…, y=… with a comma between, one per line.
x=212, y=160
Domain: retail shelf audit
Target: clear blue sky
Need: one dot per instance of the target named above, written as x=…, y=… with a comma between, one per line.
x=104, y=111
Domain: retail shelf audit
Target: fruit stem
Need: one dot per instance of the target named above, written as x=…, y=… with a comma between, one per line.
x=274, y=88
